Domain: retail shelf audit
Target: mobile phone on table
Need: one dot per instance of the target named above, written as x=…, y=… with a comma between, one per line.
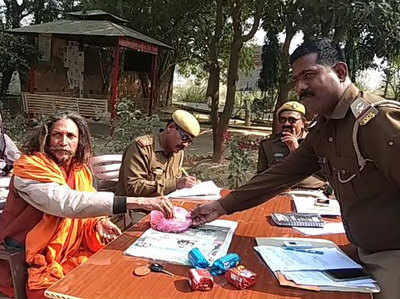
x=322, y=202
x=347, y=274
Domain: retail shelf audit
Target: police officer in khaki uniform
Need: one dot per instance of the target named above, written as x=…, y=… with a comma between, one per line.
x=290, y=132
x=152, y=165
x=356, y=142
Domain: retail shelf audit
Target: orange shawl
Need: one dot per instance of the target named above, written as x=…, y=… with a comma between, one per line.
x=56, y=245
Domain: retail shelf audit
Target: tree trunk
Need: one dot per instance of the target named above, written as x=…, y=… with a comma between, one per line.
x=236, y=45
x=168, y=99
x=247, y=117
x=230, y=99
x=284, y=85
x=213, y=94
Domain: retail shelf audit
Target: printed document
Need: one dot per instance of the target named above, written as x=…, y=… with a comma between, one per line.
x=281, y=259
x=329, y=228
x=306, y=270
x=320, y=279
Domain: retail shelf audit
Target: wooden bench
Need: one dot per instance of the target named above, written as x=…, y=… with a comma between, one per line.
x=38, y=104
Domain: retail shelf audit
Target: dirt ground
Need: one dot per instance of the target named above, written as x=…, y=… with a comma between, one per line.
x=204, y=143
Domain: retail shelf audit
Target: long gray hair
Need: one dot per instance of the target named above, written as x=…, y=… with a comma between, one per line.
x=40, y=140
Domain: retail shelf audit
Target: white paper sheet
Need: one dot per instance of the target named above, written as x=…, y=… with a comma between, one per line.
x=305, y=202
x=318, y=278
x=212, y=239
x=329, y=228
x=280, y=259
x=205, y=190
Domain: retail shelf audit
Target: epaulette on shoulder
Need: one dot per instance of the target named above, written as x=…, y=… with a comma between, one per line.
x=145, y=140
x=363, y=110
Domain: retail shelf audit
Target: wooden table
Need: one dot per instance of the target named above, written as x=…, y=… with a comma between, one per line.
x=108, y=273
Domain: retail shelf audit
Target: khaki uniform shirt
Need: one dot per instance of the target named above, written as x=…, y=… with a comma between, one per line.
x=370, y=202
x=272, y=150
x=146, y=170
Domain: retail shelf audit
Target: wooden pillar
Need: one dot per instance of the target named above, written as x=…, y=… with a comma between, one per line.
x=31, y=80
x=114, y=82
x=153, y=96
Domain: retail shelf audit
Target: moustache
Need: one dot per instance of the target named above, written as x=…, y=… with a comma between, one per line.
x=306, y=94
x=61, y=149
x=287, y=127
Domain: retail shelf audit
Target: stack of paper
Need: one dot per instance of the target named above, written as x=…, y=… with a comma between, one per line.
x=329, y=228
x=309, y=201
x=306, y=270
x=204, y=190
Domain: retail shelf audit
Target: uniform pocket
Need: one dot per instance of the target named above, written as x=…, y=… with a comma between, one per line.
x=157, y=171
x=345, y=169
x=370, y=182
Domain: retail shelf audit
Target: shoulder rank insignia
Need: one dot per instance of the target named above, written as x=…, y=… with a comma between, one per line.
x=145, y=140
x=363, y=111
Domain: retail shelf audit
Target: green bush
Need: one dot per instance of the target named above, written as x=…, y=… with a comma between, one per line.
x=193, y=94
x=15, y=126
x=242, y=155
x=130, y=124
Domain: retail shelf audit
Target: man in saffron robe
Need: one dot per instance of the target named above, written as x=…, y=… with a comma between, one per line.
x=52, y=212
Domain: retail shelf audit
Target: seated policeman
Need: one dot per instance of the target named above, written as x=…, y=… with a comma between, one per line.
x=52, y=210
x=290, y=132
x=152, y=165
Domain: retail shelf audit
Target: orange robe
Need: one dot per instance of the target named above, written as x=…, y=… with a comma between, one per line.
x=56, y=245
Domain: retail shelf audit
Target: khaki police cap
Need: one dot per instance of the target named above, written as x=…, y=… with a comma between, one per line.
x=292, y=106
x=187, y=122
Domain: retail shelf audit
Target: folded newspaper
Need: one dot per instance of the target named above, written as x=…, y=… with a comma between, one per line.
x=212, y=239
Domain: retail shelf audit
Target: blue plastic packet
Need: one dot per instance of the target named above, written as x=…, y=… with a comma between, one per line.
x=197, y=260
x=224, y=263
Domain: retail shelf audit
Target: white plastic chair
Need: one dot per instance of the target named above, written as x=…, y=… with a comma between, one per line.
x=105, y=170
x=4, y=184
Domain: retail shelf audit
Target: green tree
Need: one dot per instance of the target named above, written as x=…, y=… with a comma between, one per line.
x=14, y=12
x=15, y=54
x=365, y=28
x=392, y=79
x=44, y=11
x=225, y=27
x=246, y=17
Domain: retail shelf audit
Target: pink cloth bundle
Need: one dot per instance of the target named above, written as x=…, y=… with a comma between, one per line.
x=181, y=222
